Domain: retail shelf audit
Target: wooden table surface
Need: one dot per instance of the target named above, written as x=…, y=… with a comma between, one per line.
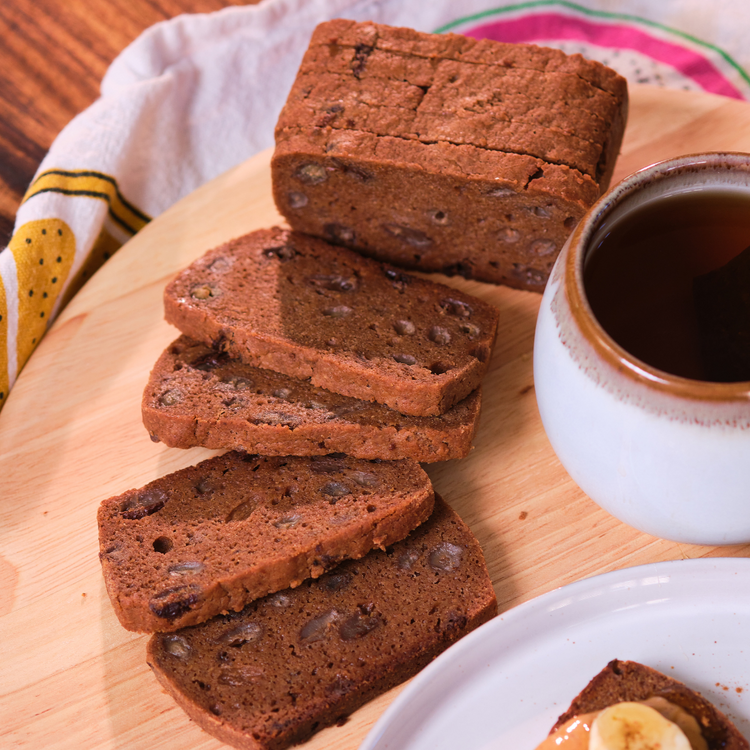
x=53, y=54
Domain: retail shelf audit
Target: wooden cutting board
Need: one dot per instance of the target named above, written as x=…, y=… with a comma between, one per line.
x=70, y=436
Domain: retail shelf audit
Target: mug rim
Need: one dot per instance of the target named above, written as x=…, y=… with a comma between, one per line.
x=579, y=244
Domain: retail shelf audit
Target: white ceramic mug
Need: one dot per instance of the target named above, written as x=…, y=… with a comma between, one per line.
x=668, y=455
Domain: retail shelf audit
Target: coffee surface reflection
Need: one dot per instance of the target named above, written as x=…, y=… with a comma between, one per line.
x=670, y=283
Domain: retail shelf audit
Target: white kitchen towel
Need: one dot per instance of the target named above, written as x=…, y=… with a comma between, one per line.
x=196, y=95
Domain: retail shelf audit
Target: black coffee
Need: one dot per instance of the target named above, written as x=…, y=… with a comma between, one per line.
x=646, y=280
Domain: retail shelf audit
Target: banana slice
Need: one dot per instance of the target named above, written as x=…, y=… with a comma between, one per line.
x=634, y=726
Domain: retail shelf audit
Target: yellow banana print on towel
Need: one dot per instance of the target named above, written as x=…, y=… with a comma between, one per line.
x=4, y=382
x=44, y=251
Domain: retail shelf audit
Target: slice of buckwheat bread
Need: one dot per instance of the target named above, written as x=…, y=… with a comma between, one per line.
x=631, y=681
x=292, y=303
x=300, y=660
x=197, y=396
x=212, y=537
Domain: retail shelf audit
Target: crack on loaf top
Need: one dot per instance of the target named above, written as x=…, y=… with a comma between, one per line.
x=480, y=64
x=538, y=174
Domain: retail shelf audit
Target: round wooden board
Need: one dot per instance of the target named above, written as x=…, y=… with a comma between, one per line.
x=71, y=435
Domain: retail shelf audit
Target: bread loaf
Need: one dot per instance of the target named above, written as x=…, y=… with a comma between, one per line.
x=442, y=153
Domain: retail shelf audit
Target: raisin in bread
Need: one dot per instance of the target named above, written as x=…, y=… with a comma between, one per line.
x=197, y=396
x=630, y=681
x=294, y=304
x=442, y=153
x=212, y=537
x=300, y=660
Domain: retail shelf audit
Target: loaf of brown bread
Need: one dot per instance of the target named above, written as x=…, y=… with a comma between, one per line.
x=212, y=537
x=300, y=660
x=295, y=304
x=630, y=681
x=197, y=396
x=443, y=153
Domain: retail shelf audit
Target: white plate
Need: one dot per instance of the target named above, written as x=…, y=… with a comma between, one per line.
x=503, y=686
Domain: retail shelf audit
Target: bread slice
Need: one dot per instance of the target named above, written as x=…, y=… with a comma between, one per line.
x=300, y=660
x=630, y=681
x=294, y=304
x=197, y=396
x=212, y=537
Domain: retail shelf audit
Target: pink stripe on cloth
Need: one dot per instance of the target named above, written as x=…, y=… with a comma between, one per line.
x=550, y=26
